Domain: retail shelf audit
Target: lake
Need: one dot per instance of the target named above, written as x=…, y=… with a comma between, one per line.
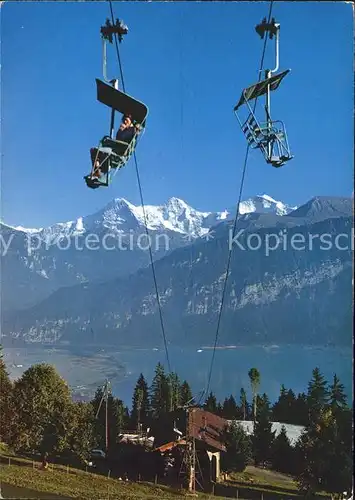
x=288, y=365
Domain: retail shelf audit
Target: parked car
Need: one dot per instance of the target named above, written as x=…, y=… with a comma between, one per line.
x=97, y=454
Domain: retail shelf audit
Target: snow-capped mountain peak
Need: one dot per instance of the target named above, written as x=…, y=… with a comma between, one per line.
x=176, y=203
x=28, y=229
x=264, y=204
x=22, y=229
x=175, y=215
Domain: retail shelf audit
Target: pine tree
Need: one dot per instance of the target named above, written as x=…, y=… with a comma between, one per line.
x=219, y=410
x=263, y=404
x=238, y=449
x=211, y=403
x=229, y=409
x=290, y=406
x=337, y=476
x=326, y=457
x=174, y=387
x=337, y=397
x=140, y=403
x=263, y=438
x=254, y=377
x=224, y=408
x=317, y=396
x=185, y=393
x=283, y=409
x=160, y=396
x=282, y=453
x=300, y=413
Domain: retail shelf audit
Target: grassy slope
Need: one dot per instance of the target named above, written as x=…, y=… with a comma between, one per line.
x=74, y=483
x=258, y=476
x=254, y=481
x=78, y=484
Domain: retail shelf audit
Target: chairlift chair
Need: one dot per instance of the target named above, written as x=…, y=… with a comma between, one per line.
x=270, y=136
x=112, y=154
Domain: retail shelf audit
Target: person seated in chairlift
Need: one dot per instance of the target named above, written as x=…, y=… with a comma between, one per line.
x=125, y=133
x=127, y=130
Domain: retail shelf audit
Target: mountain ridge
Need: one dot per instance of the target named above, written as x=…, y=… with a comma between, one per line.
x=38, y=262
x=287, y=296
x=156, y=215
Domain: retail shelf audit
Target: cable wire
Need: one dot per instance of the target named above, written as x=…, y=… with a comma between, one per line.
x=117, y=48
x=143, y=208
x=235, y=220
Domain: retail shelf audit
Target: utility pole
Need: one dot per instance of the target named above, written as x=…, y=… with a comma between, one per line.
x=106, y=418
x=105, y=395
x=190, y=460
x=193, y=465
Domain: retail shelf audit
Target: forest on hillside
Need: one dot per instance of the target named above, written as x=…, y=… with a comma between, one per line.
x=39, y=416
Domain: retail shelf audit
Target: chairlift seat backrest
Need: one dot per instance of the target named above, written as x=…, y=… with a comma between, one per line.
x=260, y=88
x=121, y=102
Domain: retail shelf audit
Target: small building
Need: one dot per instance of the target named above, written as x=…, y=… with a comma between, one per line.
x=136, y=438
x=179, y=429
x=208, y=429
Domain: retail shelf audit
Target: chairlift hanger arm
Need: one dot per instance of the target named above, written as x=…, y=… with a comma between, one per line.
x=107, y=32
x=265, y=27
x=272, y=28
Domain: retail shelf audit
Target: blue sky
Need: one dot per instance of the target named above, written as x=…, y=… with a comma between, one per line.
x=189, y=63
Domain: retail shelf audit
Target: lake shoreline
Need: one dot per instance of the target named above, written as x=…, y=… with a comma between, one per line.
x=86, y=369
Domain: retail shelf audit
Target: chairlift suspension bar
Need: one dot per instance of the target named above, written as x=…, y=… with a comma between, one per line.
x=107, y=33
x=268, y=75
x=273, y=29
x=277, y=47
x=267, y=110
x=104, y=60
x=112, y=124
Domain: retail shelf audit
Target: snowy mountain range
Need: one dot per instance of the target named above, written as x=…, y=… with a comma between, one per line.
x=122, y=216
x=286, y=296
x=39, y=261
